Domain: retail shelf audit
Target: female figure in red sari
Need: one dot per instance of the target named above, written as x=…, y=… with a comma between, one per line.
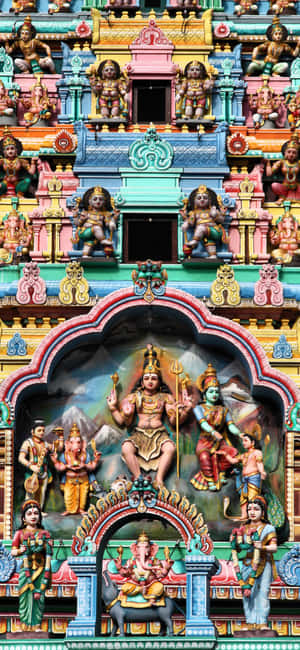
x=215, y=422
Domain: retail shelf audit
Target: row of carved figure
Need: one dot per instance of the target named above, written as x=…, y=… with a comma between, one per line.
x=143, y=575
x=96, y=218
x=194, y=84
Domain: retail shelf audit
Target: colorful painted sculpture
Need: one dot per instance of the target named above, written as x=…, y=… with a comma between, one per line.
x=16, y=236
x=254, y=544
x=273, y=50
x=265, y=105
x=20, y=6
x=149, y=446
x=77, y=467
x=38, y=108
x=110, y=85
x=7, y=103
x=204, y=213
x=122, y=614
x=245, y=7
x=282, y=7
x=30, y=47
x=16, y=174
x=249, y=481
x=293, y=107
x=289, y=167
x=34, y=455
x=143, y=573
x=59, y=5
x=215, y=422
x=286, y=237
x=93, y=214
x=33, y=544
x=193, y=89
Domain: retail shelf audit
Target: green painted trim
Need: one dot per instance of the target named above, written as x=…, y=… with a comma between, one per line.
x=122, y=273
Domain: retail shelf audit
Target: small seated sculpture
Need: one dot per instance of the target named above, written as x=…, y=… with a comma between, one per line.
x=289, y=167
x=38, y=107
x=282, y=7
x=293, y=107
x=32, y=61
x=286, y=237
x=245, y=7
x=7, y=103
x=193, y=89
x=59, y=5
x=16, y=173
x=204, y=213
x=143, y=571
x=20, y=6
x=77, y=467
x=16, y=236
x=265, y=105
x=272, y=52
x=93, y=214
x=110, y=87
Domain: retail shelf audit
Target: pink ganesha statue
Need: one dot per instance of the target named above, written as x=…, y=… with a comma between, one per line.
x=286, y=237
x=143, y=586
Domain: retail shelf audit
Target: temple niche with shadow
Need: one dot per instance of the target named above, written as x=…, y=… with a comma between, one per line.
x=74, y=407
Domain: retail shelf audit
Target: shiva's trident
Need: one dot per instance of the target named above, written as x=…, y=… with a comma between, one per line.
x=176, y=369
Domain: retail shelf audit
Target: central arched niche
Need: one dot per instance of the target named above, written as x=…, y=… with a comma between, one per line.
x=80, y=380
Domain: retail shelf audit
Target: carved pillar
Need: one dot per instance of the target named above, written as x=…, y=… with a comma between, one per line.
x=199, y=569
x=85, y=569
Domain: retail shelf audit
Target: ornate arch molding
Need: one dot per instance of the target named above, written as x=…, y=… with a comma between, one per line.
x=117, y=508
x=68, y=335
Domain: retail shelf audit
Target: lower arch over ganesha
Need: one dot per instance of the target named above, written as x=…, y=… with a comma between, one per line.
x=166, y=391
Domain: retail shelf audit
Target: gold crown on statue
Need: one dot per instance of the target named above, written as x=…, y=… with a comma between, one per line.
x=276, y=23
x=152, y=365
x=202, y=189
x=294, y=142
x=143, y=537
x=8, y=138
x=207, y=379
x=74, y=432
x=27, y=22
x=98, y=191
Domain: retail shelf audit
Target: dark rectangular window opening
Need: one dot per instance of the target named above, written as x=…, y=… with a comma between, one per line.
x=151, y=236
x=152, y=101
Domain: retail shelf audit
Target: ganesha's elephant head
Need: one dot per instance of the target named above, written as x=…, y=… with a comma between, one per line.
x=144, y=550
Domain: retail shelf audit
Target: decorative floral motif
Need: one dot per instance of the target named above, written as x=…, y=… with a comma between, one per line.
x=7, y=564
x=282, y=349
x=64, y=142
x=289, y=567
x=74, y=288
x=151, y=35
x=237, y=144
x=31, y=288
x=16, y=346
x=152, y=153
x=83, y=30
x=225, y=289
x=222, y=30
x=150, y=280
x=268, y=290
